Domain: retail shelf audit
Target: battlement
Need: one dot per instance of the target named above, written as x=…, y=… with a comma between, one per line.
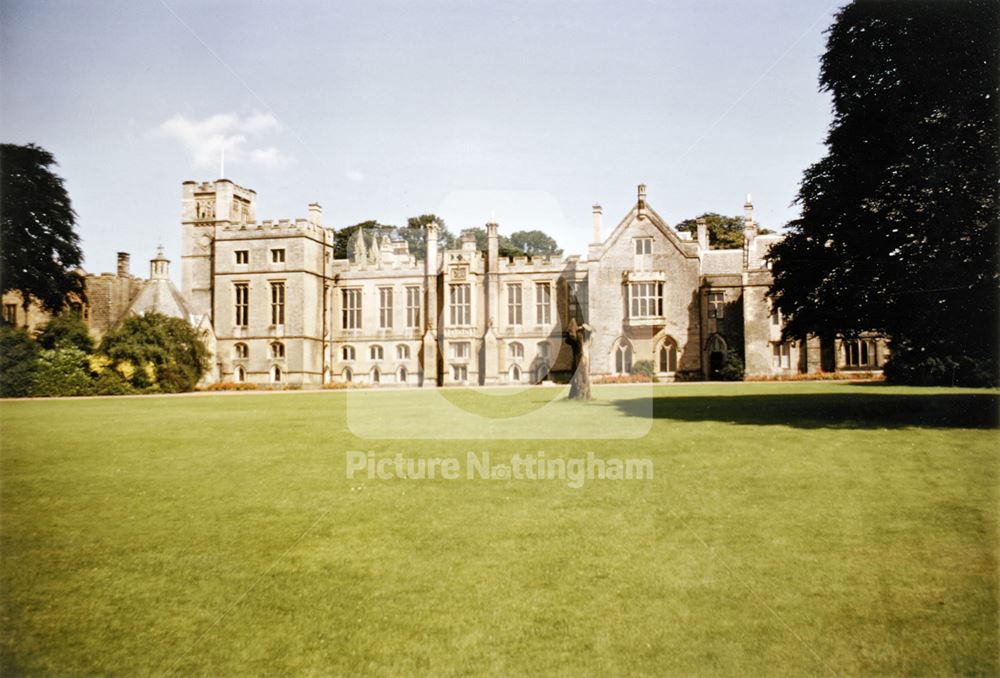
x=271, y=228
x=525, y=264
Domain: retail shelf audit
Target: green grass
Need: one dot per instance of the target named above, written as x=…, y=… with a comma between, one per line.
x=789, y=529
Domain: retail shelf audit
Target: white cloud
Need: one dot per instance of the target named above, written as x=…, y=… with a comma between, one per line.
x=206, y=138
x=355, y=175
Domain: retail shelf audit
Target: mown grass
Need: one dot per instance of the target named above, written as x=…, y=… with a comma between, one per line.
x=789, y=529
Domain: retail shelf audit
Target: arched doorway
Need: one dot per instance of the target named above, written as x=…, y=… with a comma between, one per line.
x=716, y=349
x=240, y=375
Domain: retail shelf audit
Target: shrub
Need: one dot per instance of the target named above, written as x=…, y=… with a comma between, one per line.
x=642, y=368
x=623, y=379
x=18, y=362
x=110, y=382
x=938, y=366
x=157, y=352
x=64, y=371
x=66, y=329
x=732, y=369
x=342, y=385
x=232, y=386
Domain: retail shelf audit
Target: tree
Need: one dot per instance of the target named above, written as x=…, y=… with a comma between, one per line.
x=534, y=243
x=415, y=234
x=154, y=351
x=66, y=329
x=41, y=250
x=347, y=237
x=723, y=232
x=504, y=246
x=899, y=225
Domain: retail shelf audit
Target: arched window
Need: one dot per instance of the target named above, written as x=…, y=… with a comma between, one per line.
x=376, y=376
x=375, y=352
x=543, y=349
x=275, y=374
x=402, y=352
x=277, y=350
x=347, y=353
x=240, y=375
x=515, y=373
x=402, y=375
x=666, y=356
x=241, y=352
x=516, y=350
x=348, y=374
x=623, y=357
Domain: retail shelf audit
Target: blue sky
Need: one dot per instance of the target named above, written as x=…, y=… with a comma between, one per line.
x=382, y=110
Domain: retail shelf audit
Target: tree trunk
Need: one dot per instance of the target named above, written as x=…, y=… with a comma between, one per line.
x=579, y=341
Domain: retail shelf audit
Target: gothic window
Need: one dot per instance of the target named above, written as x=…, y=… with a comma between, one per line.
x=278, y=256
x=277, y=350
x=623, y=357
x=666, y=357
x=402, y=352
x=376, y=376
x=10, y=314
x=241, y=292
x=241, y=351
x=242, y=257
x=277, y=303
x=351, y=319
x=375, y=352
x=460, y=304
x=515, y=373
x=413, y=307
x=402, y=375
x=385, y=308
x=347, y=353
x=543, y=303
x=348, y=374
x=716, y=305
x=240, y=375
x=516, y=351
x=275, y=374
x=514, y=307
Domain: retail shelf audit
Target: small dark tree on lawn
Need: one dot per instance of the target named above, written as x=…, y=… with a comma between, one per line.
x=66, y=329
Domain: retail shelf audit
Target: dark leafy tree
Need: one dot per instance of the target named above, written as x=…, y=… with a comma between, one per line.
x=158, y=352
x=723, y=232
x=900, y=220
x=534, y=243
x=347, y=237
x=64, y=330
x=39, y=248
x=504, y=247
x=415, y=234
x=18, y=362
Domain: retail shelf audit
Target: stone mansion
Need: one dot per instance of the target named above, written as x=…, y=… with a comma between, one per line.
x=278, y=308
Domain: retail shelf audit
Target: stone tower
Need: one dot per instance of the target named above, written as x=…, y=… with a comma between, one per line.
x=206, y=207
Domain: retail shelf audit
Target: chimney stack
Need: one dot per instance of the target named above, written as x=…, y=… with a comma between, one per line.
x=123, y=264
x=702, y=234
x=597, y=223
x=315, y=213
x=642, y=196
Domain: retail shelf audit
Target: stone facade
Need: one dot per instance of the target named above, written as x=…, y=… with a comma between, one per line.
x=278, y=308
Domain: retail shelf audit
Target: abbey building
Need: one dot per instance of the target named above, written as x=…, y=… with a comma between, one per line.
x=279, y=308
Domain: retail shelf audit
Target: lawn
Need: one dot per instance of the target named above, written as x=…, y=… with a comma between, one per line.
x=788, y=529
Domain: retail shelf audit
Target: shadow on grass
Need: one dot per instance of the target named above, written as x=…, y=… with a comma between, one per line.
x=828, y=410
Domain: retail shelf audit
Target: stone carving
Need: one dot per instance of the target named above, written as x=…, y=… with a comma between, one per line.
x=204, y=209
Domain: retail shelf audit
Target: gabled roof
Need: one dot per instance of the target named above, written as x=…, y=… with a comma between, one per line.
x=685, y=247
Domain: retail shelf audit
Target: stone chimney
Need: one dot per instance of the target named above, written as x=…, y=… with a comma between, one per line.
x=123, y=259
x=596, y=237
x=702, y=234
x=642, y=196
x=315, y=214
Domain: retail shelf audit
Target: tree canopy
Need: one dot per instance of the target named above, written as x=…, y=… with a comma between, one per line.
x=534, y=243
x=41, y=249
x=899, y=225
x=723, y=232
x=155, y=350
